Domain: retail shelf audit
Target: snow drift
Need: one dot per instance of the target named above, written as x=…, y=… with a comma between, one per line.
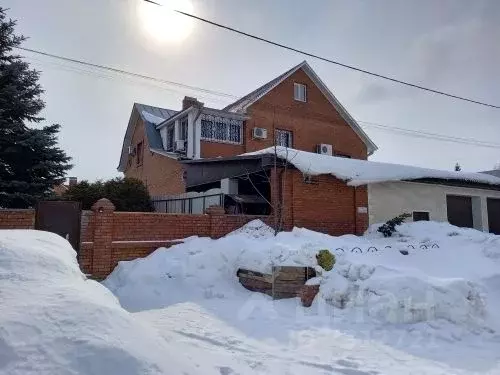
x=444, y=276
x=55, y=321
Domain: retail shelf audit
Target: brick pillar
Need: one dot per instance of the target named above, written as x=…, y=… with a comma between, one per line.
x=361, y=207
x=216, y=214
x=103, y=238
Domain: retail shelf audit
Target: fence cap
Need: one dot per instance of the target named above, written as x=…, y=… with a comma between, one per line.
x=103, y=204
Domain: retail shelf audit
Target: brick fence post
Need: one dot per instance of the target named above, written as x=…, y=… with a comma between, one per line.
x=215, y=213
x=103, y=237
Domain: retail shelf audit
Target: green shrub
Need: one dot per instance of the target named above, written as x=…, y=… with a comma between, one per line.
x=127, y=194
x=389, y=227
x=325, y=259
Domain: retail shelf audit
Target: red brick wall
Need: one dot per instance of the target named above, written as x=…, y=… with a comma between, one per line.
x=216, y=149
x=17, y=219
x=161, y=175
x=137, y=226
x=313, y=122
x=326, y=205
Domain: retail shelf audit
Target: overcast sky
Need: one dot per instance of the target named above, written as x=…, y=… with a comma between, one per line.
x=450, y=45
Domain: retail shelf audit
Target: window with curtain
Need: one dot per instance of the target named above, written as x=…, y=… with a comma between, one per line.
x=284, y=138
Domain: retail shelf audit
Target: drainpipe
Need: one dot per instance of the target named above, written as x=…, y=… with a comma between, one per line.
x=194, y=130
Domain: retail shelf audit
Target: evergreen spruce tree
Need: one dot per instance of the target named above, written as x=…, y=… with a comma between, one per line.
x=30, y=161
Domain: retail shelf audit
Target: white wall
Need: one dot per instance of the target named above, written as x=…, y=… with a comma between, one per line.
x=389, y=199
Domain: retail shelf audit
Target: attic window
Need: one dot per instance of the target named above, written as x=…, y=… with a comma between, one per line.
x=300, y=92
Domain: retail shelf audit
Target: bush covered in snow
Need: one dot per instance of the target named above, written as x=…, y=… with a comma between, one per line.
x=326, y=260
x=389, y=228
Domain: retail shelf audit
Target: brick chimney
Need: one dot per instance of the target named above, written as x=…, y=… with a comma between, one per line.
x=72, y=181
x=189, y=101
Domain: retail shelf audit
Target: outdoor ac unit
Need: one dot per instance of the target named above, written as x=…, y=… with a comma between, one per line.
x=260, y=133
x=324, y=149
x=131, y=150
x=180, y=145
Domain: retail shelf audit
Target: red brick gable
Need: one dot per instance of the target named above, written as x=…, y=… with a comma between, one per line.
x=313, y=122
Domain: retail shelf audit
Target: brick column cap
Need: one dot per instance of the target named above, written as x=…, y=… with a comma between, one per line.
x=103, y=205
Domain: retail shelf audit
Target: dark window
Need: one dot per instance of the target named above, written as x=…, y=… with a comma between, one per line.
x=284, y=138
x=170, y=138
x=139, y=153
x=183, y=129
x=420, y=216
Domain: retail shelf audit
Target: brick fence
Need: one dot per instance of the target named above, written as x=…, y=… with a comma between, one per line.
x=17, y=219
x=109, y=237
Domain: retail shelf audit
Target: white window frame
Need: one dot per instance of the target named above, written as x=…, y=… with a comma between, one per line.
x=300, y=92
x=278, y=136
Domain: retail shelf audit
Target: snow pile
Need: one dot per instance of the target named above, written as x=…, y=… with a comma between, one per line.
x=149, y=117
x=444, y=276
x=362, y=172
x=55, y=321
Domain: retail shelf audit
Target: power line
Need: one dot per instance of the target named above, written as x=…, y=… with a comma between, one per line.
x=125, y=72
x=408, y=132
x=328, y=60
x=428, y=135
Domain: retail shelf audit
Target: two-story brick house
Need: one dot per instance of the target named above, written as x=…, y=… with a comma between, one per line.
x=295, y=110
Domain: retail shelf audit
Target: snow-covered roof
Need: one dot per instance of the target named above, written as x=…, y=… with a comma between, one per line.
x=362, y=172
x=241, y=105
x=151, y=116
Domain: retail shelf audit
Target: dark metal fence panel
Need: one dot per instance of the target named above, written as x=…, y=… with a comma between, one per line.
x=188, y=205
x=62, y=218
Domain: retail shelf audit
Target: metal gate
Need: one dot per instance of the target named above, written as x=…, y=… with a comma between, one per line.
x=60, y=217
x=460, y=211
x=494, y=215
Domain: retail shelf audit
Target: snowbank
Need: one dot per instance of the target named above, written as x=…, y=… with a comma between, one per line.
x=442, y=278
x=55, y=321
x=362, y=172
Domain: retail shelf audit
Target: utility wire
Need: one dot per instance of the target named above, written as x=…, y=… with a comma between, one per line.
x=327, y=59
x=428, y=135
x=408, y=132
x=121, y=71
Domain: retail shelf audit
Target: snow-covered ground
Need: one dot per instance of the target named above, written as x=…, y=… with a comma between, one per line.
x=433, y=311
x=55, y=321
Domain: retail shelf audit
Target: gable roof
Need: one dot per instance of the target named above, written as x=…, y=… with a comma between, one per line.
x=241, y=105
x=151, y=117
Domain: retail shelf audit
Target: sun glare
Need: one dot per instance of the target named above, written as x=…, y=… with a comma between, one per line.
x=162, y=24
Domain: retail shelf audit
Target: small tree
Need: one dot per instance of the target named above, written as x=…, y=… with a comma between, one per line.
x=127, y=194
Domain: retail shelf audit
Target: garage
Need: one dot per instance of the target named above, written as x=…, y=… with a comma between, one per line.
x=460, y=211
x=494, y=215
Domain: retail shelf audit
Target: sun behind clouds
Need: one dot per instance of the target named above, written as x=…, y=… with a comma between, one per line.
x=162, y=24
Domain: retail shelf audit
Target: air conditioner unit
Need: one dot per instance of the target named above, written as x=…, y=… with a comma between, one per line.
x=324, y=149
x=260, y=133
x=180, y=145
x=131, y=150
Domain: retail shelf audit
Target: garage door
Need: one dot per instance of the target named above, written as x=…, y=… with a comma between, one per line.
x=494, y=215
x=460, y=211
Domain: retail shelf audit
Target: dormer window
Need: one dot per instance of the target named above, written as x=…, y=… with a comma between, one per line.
x=300, y=92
